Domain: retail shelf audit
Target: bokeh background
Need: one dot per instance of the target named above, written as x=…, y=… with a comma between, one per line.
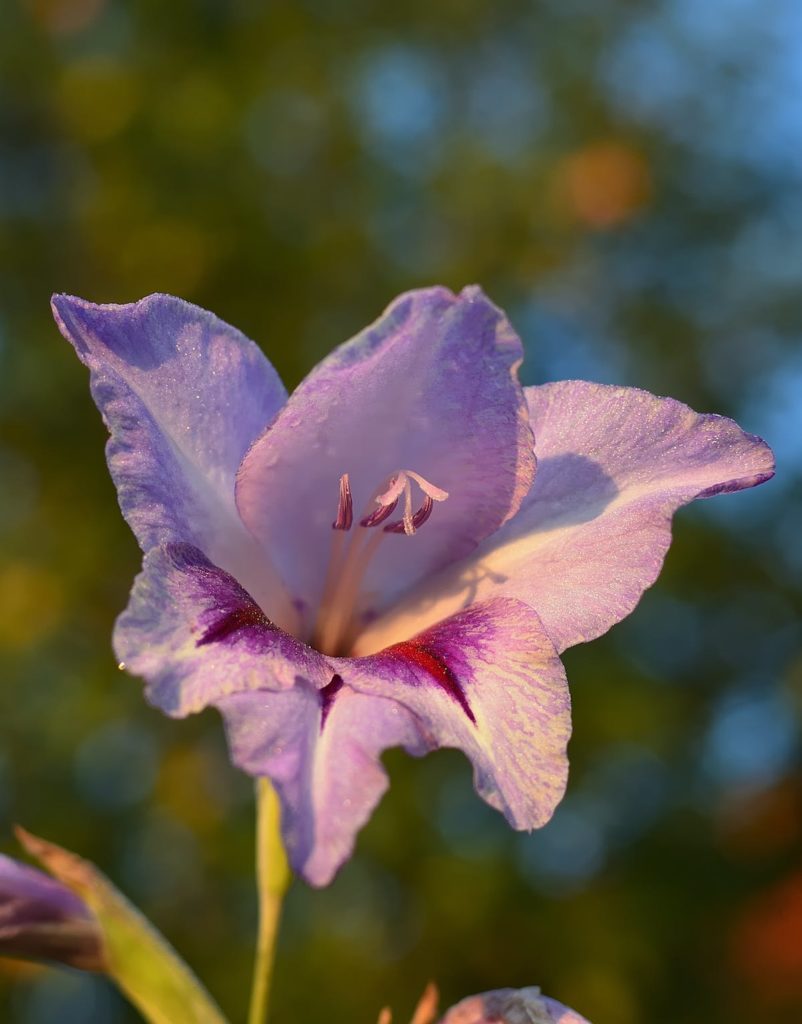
x=625, y=178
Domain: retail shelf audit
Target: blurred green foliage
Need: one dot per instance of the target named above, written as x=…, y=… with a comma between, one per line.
x=624, y=177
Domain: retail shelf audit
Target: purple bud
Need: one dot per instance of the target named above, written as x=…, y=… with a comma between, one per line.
x=511, y=1006
x=42, y=919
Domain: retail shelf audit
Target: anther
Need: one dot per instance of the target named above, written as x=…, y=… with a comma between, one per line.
x=402, y=485
x=418, y=519
x=351, y=557
x=378, y=515
x=345, y=506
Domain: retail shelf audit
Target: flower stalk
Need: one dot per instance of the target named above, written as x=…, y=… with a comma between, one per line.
x=273, y=879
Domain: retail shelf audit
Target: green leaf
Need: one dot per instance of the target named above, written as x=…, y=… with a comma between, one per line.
x=138, y=959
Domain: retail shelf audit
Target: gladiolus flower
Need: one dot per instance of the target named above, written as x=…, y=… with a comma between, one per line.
x=375, y=561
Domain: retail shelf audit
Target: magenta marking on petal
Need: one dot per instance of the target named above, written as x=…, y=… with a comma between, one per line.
x=232, y=614
x=345, y=506
x=236, y=620
x=423, y=657
x=327, y=695
x=738, y=484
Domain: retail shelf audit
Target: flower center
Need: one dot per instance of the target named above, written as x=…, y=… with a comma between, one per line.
x=336, y=625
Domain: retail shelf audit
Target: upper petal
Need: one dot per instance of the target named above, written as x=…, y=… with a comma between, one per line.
x=614, y=464
x=430, y=387
x=183, y=395
x=489, y=682
x=196, y=635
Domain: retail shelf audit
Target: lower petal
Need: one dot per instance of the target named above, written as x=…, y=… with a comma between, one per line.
x=199, y=639
x=195, y=636
x=321, y=749
x=486, y=681
x=489, y=682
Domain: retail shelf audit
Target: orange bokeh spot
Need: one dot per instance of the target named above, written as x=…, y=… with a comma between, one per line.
x=604, y=184
x=65, y=16
x=759, y=823
x=767, y=942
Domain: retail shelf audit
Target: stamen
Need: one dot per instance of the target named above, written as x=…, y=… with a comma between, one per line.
x=387, y=502
x=410, y=522
x=345, y=506
x=418, y=519
x=338, y=611
x=378, y=515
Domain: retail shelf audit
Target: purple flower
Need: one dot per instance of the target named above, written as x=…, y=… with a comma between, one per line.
x=511, y=1006
x=43, y=919
x=373, y=561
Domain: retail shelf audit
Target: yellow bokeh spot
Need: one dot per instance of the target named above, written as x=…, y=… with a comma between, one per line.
x=97, y=99
x=600, y=994
x=31, y=605
x=604, y=184
x=167, y=255
x=182, y=791
x=195, y=114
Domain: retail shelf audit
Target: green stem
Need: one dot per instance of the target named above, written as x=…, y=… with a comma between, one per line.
x=273, y=878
